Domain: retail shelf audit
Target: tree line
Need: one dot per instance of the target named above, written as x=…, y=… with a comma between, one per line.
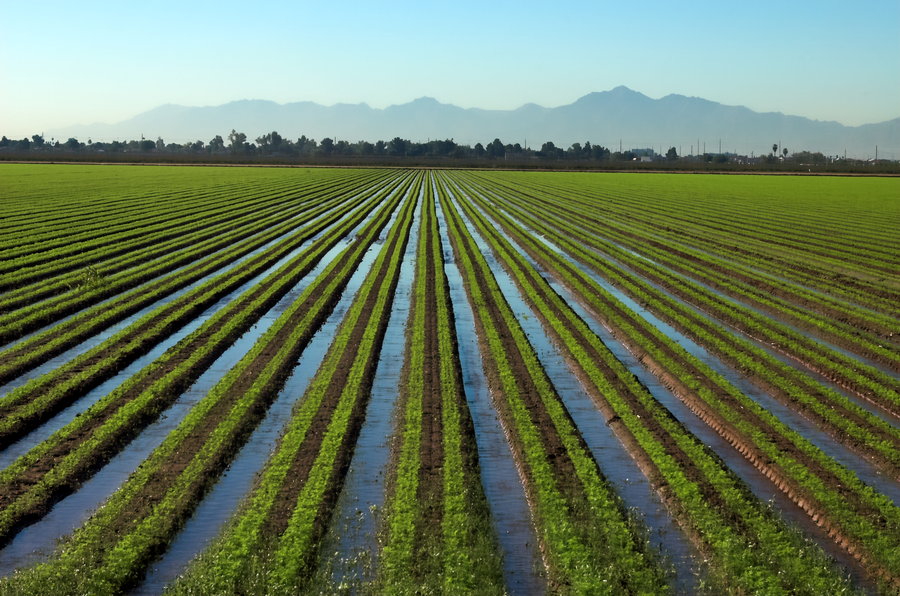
x=274, y=147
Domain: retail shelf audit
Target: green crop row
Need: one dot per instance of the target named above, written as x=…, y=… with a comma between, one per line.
x=655, y=213
x=779, y=222
x=250, y=556
x=24, y=320
x=860, y=513
x=98, y=433
x=88, y=216
x=112, y=262
x=416, y=558
x=744, y=355
x=53, y=221
x=44, y=262
x=589, y=542
x=42, y=396
x=749, y=550
x=110, y=552
x=60, y=337
x=842, y=320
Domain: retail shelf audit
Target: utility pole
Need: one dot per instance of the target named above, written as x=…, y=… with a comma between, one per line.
x=720, y=146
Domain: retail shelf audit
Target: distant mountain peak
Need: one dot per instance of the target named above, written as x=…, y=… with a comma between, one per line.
x=603, y=118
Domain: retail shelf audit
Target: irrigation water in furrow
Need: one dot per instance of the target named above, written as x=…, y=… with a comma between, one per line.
x=65, y=416
x=821, y=439
x=91, y=342
x=217, y=507
x=758, y=483
x=613, y=459
x=781, y=356
x=350, y=549
x=43, y=535
x=522, y=565
x=780, y=318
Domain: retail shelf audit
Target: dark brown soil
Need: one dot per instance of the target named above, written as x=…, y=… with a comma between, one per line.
x=105, y=452
x=745, y=445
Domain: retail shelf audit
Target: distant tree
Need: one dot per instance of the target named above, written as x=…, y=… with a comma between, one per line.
x=478, y=150
x=37, y=140
x=548, y=149
x=599, y=152
x=784, y=152
x=671, y=154
x=237, y=140
x=575, y=150
x=343, y=148
x=305, y=146
x=398, y=146
x=217, y=144
x=326, y=146
x=495, y=149
x=774, y=148
x=365, y=148
x=146, y=145
x=160, y=144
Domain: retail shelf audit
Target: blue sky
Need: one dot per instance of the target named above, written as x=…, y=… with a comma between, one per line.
x=64, y=63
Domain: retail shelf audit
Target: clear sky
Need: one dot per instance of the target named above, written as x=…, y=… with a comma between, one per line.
x=78, y=62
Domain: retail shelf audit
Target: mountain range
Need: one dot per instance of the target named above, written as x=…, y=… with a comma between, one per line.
x=614, y=118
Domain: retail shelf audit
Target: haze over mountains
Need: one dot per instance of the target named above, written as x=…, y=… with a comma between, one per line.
x=605, y=118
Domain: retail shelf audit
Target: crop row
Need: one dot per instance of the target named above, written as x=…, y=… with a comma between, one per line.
x=862, y=520
x=81, y=289
x=680, y=223
x=270, y=545
x=588, y=540
x=41, y=397
x=277, y=253
x=111, y=261
x=286, y=236
x=867, y=382
x=112, y=550
x=436, y=511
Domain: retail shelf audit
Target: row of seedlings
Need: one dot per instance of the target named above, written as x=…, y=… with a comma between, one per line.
x=857, y=329
x=748, y=548
x=41, y=397
x=681, y=223
x=89, y=285
x=831, y=410
x=264, y=246
x=271, y=544
x=437, y=534
x=588, y=541
x=111, y=551
x=860, y=519
x=114, y=263
x=59, y=464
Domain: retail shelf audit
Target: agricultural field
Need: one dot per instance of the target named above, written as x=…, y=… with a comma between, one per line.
x=230, y=380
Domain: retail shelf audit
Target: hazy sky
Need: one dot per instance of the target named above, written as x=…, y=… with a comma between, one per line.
x=78, y=62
